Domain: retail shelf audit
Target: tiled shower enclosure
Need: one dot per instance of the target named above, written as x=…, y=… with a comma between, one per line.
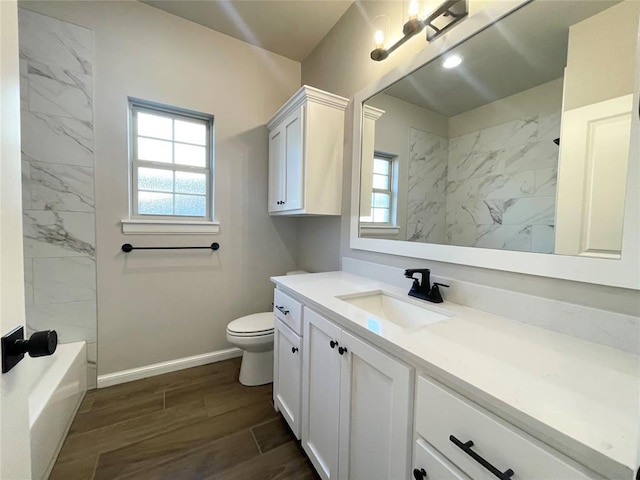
x=56, y=92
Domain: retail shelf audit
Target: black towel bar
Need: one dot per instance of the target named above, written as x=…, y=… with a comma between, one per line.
x=127, y=247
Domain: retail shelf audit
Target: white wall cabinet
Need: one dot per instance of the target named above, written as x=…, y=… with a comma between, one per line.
x=305, y=154
x=356, y=405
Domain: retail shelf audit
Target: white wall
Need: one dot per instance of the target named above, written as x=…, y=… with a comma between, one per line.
x=159, y=306
x=341, y=64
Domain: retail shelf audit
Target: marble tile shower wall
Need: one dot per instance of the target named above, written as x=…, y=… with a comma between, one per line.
x=501, y=187
x=56, y=63
x=427, y=183
x=493, y=188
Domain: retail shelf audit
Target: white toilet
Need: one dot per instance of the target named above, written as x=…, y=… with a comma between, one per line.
x=254, y=335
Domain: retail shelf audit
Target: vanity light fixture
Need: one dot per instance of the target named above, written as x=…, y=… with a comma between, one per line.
x=437, y=22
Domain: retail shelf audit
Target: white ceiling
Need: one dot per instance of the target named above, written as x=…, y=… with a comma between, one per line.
x=290, y=28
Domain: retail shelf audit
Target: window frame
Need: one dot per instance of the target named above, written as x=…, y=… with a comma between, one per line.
x=392, y=191
x=136, y=106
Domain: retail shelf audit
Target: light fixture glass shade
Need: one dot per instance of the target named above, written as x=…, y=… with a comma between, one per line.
x=380, y=31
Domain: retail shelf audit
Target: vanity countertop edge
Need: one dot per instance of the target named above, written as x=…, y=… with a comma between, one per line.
x=579, y=397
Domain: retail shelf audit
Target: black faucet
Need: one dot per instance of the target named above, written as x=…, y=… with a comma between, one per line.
x=423, y=289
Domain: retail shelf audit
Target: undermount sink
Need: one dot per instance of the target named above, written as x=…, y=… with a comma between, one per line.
x=404, y=312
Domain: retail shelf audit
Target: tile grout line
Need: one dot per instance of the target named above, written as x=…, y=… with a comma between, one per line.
x=255, y=440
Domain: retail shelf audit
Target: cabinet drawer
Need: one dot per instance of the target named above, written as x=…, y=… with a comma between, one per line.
x=430, y=465
x=288, y=310
x=450, y=423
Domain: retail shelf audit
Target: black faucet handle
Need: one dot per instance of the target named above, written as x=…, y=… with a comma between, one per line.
x=441, y=284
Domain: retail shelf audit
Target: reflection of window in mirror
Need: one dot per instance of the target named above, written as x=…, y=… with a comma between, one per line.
x=383, y=192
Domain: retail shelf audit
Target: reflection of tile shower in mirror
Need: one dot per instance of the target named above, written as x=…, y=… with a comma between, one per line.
x=478, y=165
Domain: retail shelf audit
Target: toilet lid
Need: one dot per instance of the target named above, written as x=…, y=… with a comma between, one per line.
x=258, y=323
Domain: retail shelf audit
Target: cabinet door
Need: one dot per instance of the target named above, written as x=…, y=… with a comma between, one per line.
x=276, y=167
x=293, y=172
x=320, y=393
x=376, y=395
x=287, y=375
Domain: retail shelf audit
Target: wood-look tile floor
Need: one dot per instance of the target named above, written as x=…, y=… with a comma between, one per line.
x=193, y=424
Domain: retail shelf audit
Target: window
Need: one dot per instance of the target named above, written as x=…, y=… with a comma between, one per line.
x=171, y=163
x=382, y=194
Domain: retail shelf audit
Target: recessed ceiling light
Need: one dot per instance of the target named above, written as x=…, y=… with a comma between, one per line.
x=452, y=61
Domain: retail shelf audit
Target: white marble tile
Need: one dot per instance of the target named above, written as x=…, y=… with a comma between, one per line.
x=549, y=127
x=427, y=165
x=61, y=187
x=59, y=92
x=510, y=134
x=543, y=239
x=529, y=211
x=463, y=145
x=463, y=190
x=51, y=139
x=28, y=281
x=504, y=237
x=481, y=164
x=426, y=212
x=532, y=156
x=58, y=234
x=24, y=85
x=63, y=280
x=26, y=185
x=426, y=232
x=506, y=186
x=74, y=321
x=461, y=235
x=55, y=42
x=474, y=212
x=546, y=181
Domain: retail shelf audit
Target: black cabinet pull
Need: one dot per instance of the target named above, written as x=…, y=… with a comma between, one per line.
x=466, y=448
x=342, y=350
x=282, y=309
x=294, y=349
x=419, y=474
x=333, y=344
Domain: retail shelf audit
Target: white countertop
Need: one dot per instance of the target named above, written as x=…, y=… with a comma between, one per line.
x=579, y=397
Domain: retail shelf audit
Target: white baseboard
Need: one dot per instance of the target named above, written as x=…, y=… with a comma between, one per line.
x=125, y=376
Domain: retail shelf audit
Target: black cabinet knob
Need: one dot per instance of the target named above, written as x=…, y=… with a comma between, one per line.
x=419, y=474
x=333, y=344
x=294, y=349
x=342, y=350
x=41, y=344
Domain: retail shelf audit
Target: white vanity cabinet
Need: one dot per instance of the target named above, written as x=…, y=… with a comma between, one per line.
x=305, y=154
x=478, y=443
x=287, y=358
x=356, y=405
x=287, y=375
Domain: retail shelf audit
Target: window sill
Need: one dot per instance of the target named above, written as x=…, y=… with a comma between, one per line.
x=169, y=227
x=379, y=230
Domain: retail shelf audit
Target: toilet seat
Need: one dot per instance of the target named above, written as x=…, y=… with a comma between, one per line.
x=255, y=325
